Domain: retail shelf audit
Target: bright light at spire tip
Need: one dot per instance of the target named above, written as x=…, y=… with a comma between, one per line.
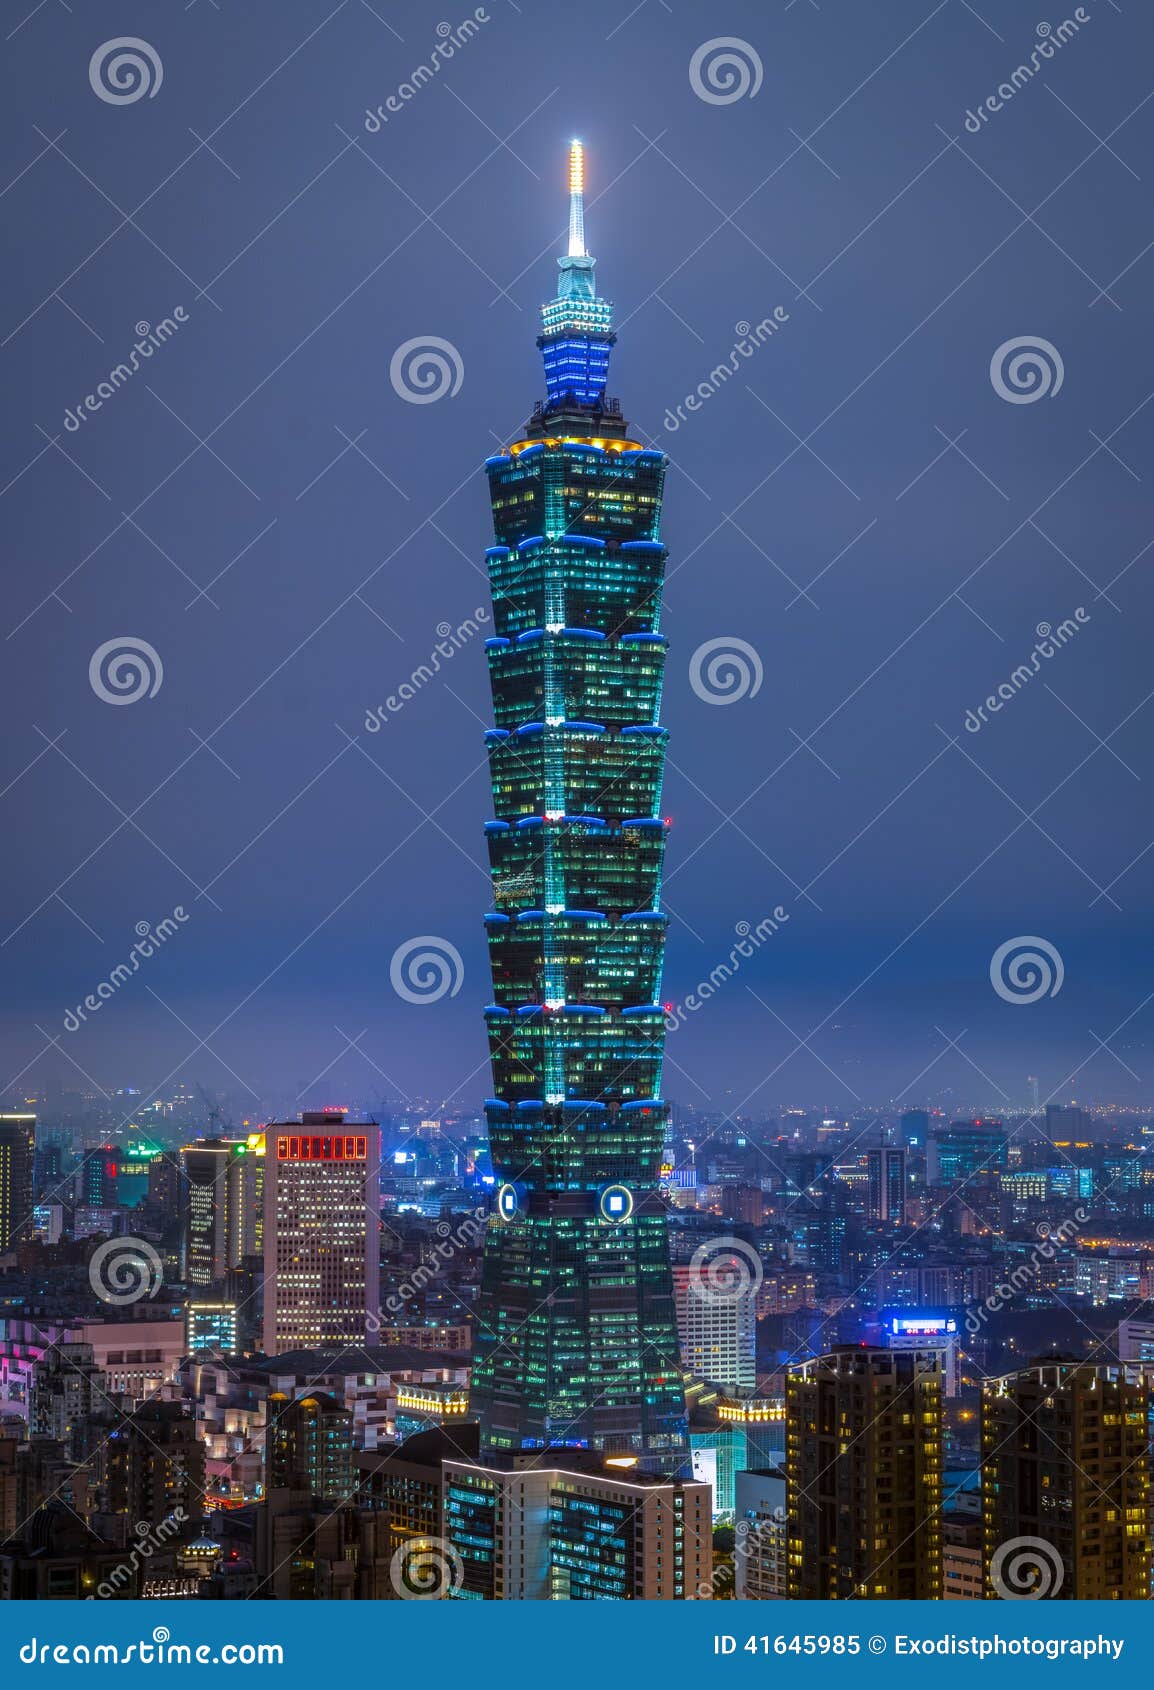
x=576, y=198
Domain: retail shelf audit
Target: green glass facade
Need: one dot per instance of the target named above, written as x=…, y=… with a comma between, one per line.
x=576, y=1342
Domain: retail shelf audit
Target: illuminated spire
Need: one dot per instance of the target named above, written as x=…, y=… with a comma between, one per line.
x=577, y=325
x=576, y=200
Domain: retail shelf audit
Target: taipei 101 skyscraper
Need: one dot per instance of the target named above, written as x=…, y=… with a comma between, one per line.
x=576, y=1342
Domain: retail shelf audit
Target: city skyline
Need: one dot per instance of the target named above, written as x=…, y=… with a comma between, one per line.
x=453, y=1238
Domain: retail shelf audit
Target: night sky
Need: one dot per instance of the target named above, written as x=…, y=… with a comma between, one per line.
x=856, y=502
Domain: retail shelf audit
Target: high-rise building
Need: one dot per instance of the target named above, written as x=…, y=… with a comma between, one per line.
x=717, y=1328
x=310, y=1445
x=10, y=1517
x=962, y=1575
x=96, y=1177
x=69, y=1396
x=1065, y=1465
x=575, y=1528
x=48, y=1222
x=244, y=1227
x=424, y=1404
x=743, y=1203
x=926, y=1329
x=786, y=1291
x=733, y=1434
x=864, y=1464
x=155, y=1464
x=17, y=1142
x=966, y=1153
x=1136, y=1342
x=308, y=1551
x=1066, y=1124
x=886, y=1170
x=405, y=1483
x=140, y=1357
x=322, y=1226
x=244, y=1287
x=224, y=1205
x=211, y=1325
x=760, y=1548
x=915, y=1128
x=576, y=1336
x=818, y=1236
x=47, y=1473
x=47, y=1170
x=133, y=1172
x=205, y=1166
x=164, y=1187
x=805, y=1173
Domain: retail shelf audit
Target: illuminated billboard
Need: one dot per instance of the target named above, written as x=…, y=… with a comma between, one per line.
x=921, y=1324
x=323, y=1147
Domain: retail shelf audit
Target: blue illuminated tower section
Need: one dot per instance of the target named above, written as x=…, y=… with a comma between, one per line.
x=576, y=1338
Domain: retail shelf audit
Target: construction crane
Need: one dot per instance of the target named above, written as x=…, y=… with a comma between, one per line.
x=219, y=1123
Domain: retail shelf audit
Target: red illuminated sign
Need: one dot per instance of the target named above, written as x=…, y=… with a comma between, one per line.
x=324, y=1147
